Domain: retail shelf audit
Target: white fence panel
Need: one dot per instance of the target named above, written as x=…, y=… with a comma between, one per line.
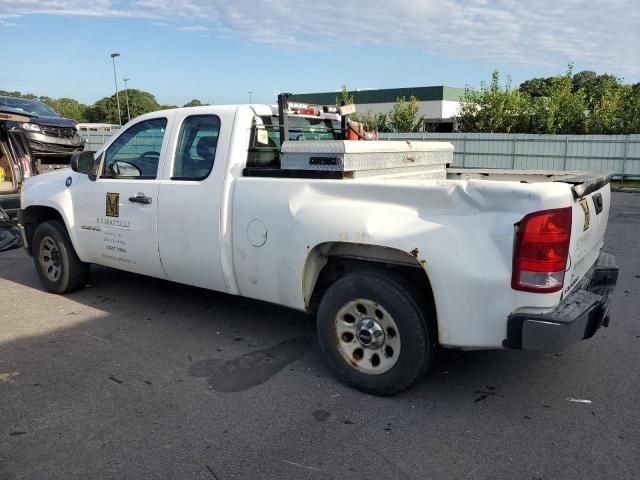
x=95, y=140
x=619, y=154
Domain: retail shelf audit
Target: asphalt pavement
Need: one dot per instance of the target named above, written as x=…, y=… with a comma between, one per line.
x=137, y=378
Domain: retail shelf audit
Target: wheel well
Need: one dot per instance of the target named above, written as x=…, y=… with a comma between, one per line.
x=328, y=262
x=34, y=216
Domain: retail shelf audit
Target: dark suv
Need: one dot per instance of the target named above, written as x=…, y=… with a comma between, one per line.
x=52, y=138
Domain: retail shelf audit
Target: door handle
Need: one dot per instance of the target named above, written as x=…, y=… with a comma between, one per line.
x=140, y=198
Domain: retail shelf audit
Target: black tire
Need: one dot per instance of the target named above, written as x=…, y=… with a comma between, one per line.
x=414, y=318
x=58, y=266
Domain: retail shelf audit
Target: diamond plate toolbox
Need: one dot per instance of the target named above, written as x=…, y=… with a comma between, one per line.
x=378, y=158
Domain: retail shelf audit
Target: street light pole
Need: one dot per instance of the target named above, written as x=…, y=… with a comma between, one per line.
x=115, y=80
x=126, y=92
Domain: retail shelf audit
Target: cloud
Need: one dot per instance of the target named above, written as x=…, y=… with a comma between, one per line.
x=5, y=20
x=193, y=28
x=597, y=35
x=96, y=8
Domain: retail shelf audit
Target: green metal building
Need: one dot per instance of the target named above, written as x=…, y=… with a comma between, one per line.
x=438, y=105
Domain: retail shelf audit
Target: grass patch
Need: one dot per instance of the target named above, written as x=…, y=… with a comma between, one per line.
x=617, y=185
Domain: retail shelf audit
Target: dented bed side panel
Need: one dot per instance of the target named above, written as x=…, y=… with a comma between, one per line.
x=461, y=232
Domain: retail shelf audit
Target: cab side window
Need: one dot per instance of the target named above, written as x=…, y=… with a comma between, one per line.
x=136, y=153
x=196, y=149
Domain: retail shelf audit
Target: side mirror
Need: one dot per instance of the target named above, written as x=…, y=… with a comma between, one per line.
x=125, y=169
x=82, y=162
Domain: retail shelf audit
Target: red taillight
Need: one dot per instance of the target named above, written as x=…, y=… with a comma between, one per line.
x=541, y=251
x=25, y=161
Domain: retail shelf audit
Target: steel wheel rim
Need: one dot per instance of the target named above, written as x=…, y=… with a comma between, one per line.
x=357, y=327
x=49, y=257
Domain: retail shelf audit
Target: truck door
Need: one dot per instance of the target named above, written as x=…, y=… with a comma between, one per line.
x=116, y=214
x=190, y=200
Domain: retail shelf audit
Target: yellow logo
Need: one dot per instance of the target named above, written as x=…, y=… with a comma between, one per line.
x=113, y=205
x=584, y=203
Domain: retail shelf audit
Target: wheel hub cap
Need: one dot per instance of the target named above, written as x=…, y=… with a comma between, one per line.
x=370, y=333
x=367, y=336
x=50, y=260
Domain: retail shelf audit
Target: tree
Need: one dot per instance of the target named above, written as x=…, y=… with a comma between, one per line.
x=7, y=93
x=536, y=87
x=195, y=103
x=630, y=117
x=562, y=111
x=374, y=122
x=382, y=122
x=404, y=115
x=494, y=108
x=605, y=113
x=345, y=96
x=594, y=85
x=105, y=110
x=67, y=107
x=141, y=102
x=604, y=98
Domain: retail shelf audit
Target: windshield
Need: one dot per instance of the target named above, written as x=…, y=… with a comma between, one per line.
x=32, y=107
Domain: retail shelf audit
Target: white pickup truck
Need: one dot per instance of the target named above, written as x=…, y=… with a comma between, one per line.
x=393, y=263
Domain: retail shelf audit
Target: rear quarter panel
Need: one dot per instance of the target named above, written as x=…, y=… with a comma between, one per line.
x=461, y=232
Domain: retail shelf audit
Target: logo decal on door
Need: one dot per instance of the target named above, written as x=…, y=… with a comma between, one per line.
x=113, y=205
x=584, y=203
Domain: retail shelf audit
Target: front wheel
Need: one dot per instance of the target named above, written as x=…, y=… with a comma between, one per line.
x=376, y=332
x=58, y=266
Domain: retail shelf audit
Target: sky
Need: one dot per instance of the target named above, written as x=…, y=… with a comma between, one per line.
x=217, y=51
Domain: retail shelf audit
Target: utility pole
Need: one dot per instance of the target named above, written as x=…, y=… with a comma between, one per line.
x=126, y=92
x=115, y=80
x=250, y=92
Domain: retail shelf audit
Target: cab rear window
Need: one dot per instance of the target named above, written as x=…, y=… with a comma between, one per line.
x=197, y=146
x=264, y=150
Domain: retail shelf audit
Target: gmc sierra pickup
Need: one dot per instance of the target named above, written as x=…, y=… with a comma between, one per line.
x=394, y=253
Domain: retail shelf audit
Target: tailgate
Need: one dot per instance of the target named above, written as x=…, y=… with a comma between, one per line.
x=590, y=205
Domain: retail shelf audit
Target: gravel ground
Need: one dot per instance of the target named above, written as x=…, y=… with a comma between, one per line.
x=137, y=378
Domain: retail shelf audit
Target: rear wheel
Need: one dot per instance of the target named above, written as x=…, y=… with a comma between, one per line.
x=58, y=266
x=376, y=331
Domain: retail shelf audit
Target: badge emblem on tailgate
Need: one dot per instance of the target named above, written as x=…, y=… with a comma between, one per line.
x=113, y=207
x=584, y=203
